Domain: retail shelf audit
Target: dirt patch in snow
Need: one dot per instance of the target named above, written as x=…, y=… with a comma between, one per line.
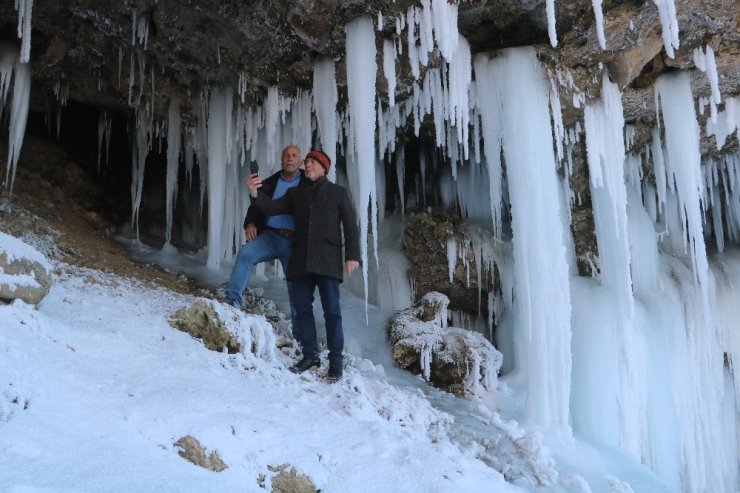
x=53, y=207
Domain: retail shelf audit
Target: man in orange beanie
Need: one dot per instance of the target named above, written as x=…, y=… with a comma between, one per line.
x=321, y=209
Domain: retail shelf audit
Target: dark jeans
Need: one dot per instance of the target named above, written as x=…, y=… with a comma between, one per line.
x=303, y=292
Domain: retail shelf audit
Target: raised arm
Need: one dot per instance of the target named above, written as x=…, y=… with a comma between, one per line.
x=264, y=203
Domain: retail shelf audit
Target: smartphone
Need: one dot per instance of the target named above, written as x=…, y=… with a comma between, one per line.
x=254, y=167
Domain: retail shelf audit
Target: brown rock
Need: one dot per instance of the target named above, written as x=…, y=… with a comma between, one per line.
x=193, y=451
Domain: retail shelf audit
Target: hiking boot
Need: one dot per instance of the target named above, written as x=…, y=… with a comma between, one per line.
x=234, y=303
x=335, y=371
x=305, y=364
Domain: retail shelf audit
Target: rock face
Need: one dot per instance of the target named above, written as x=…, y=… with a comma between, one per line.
x=457, y=360
x=25, y=274
x=115, y=54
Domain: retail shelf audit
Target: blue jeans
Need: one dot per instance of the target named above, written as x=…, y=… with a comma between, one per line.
x=269, y=245
x=303, y=292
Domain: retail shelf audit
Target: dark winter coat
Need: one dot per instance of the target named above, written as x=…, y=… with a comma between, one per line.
x=256, y=216
x=320, y=211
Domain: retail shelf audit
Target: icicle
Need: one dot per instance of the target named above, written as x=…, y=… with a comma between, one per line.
x=24, y=8
x=669, y=22
x=142, y=144
x=704, y=61
x=460, y=75
x=599, y=13
x=325, y=97
x=361, y=74
x=674, y=98
x=389, y=71
x=301, y=120
x=727, y=122
x=550, y=9
x=104, y=132
x=18, y=117
x=411, y=38
x=557, y=119
x=400, y=174
x=174, y=138
x=444, y=19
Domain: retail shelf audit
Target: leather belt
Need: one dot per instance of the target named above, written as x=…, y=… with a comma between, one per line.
x=282, y=231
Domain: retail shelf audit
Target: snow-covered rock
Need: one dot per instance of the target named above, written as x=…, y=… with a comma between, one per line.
x=25, y=273
x=451, y=358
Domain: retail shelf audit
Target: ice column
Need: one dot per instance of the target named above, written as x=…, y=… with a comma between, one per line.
x=174, y=138
x=219, y=126
x=325, y=99
x=361, y=72
x=541, y=288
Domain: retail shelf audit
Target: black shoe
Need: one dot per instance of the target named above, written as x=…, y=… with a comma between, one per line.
x=234, y=303
x=305, y=364
x=335, y=371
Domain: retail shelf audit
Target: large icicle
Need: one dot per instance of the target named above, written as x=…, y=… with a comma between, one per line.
x=174, y=139
x=18, y=114
x=325, y=97
x=599, y=13
x=361, y=73
x=541, y=288
x=460, y=75
x=683, y=158
x=604, y=125
x=142, y=144
x=605, y=147
x=24, y=8
x=669, y=22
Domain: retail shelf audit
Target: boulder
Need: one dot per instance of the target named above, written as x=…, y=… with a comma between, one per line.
x=201, y=321
x=25, y=273
x=287, y=480
x=451, y=358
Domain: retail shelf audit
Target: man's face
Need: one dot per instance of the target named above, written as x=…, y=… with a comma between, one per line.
x=291, y=160
x=314, y=170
